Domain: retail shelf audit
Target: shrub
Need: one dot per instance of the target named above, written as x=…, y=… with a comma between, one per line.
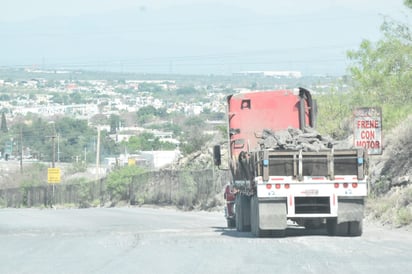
x=77, y=167
x=118, y=182
x=394, y=208
x=404, y=216
x=186, y=193
x=84, y=193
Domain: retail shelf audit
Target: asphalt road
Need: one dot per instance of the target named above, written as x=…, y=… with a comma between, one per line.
x=147, y=240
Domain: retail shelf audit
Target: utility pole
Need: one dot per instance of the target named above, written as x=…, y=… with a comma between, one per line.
x=21, y=149
x=53, y=137
x=98, y=153
x=54, y=150
x=53, y=163
x=58, y=148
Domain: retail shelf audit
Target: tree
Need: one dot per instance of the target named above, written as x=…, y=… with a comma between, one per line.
x=334, y=111
x=186, y=91
x=149, y=113
x=146, y=141
x=114, y=123
x=98, y=119
x=144, y=114
x=60, y=99
x=5, y=97
x=382, y=74
x=76, y=98
x=3, y=126
x=408, y=3
x=194, y=138
x=150, y=87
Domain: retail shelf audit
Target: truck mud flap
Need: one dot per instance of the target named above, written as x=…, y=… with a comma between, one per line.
x=350, y=210
x=272, y=215
x=242, y=213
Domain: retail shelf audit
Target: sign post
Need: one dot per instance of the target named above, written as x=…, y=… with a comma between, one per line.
x=368, y=129
x=53, y=177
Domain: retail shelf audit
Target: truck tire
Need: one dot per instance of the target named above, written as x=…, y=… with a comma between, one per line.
x=231, y=223
x=331, y=225
x=355, y=228
x=352, y=229
x=342, y=229
x=242, y=209
x=335, y=229
x=279, y=233
x=313, y=223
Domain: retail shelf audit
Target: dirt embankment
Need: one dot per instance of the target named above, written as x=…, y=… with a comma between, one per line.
x=394, y=167
x=390, y=201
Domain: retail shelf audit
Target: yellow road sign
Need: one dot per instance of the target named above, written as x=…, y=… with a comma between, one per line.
x=53, y=175
x=131, y=162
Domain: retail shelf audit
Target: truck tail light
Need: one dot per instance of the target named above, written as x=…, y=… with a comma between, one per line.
x=345, y=185
x=277, y=186
x=287, y=186
x=268, y=186
x=336, y=185
x=354, y=185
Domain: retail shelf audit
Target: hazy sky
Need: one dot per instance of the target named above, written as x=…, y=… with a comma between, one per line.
x=190, y=36
x=13, y=10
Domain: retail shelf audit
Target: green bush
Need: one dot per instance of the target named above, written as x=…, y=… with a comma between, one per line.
x=85, y=196
x=404, y=216
x=394, y=208
x=186, y=194
x=77, y=167
x=118, y=182
x=139, y=194
x=2, y=203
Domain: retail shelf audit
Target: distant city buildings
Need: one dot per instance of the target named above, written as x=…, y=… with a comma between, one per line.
x=275, y=74
x=100, y=97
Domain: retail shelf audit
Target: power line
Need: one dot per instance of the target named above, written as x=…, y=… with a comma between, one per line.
x=205, y=59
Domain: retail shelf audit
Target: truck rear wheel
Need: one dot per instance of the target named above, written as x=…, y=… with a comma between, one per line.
x=231, y=223
x=331, y=225
x=353, y=228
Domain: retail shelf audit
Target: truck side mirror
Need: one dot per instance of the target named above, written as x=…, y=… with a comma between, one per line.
x=216, y=155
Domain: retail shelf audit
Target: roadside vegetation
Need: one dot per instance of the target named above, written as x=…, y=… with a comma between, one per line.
x=393, y=209
x=380, y=76
x=182, y=188
x=390, y=200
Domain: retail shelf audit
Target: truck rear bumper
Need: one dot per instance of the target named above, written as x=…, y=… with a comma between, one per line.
x=345, y=208
x=316, y=196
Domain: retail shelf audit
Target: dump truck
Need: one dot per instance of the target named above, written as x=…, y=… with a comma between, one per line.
x=283, y=172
